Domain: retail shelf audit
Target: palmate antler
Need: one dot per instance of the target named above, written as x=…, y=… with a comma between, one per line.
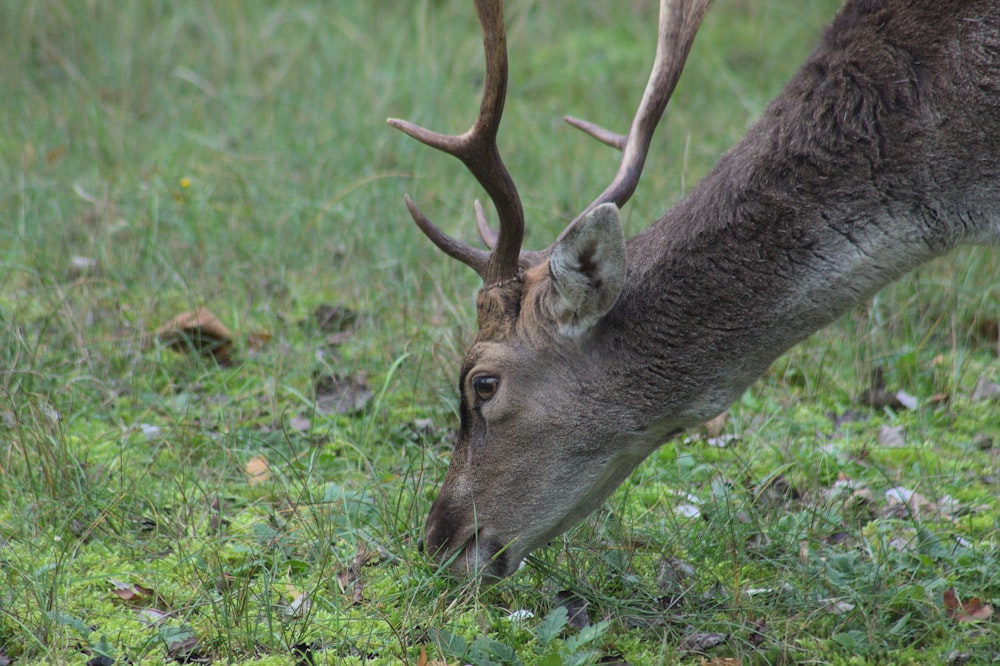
x=477, y=148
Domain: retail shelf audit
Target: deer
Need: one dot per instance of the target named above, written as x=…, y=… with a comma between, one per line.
x=881, y=153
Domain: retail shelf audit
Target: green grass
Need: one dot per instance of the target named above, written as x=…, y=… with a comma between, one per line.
x=235, y=156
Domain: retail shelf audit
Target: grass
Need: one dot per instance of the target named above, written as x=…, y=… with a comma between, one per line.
x=157, y=505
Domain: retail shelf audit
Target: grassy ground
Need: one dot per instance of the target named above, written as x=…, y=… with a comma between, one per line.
x=157, y=157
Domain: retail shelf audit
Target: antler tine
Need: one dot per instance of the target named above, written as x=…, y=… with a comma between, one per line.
x=477, y=149
x=526, y=258
x=468, y=255
x=678, y=25
x=605, y=136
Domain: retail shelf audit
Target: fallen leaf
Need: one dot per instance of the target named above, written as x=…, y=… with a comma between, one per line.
x=300, y=601
x=350, y=578
x=908, y=401
x=986, y=390
x=135, y=594
x=958, y=658
x=891, y=436
x=698, y=641
x=759, y=633
x=55, y=154
x=82, y=266
x=836, y=606
x=303, y=653
x=150, y=432
x=217, y=522
x=973, y=610
x=336, y=339
x=520, y=615
x=717, y=426
x=334, y=318
x=151, y=617
x=939, y=399
x=904, y=502
x=879, y=398
x=849, y=416
x=185, y=650
x=257, y=340
x=200, y=331
x=257, y=470
x=674, y=577
x=722, y=441
x=988, y=330
x=336, y=394
x=424, y=660
x=687, y=511
x=982, y=441
x=576, y=609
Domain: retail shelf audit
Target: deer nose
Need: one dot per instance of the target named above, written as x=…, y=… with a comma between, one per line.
x=436, y=537
x=444, y=531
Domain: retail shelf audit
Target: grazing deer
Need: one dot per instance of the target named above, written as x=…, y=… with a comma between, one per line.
x=882, y=152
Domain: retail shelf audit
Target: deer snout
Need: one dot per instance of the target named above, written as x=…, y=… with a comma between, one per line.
x=446, y=531
x=440, y=530
x=452, y=538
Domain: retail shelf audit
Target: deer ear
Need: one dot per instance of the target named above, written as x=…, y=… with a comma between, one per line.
x=587, y=270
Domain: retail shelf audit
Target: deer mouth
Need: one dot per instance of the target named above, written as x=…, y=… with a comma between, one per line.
x=481, y=556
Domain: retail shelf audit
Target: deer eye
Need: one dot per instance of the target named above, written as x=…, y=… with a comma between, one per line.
x=485, y=387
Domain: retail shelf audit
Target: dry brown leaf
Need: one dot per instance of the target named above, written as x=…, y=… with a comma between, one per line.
x=982, y=441
x=185, y=650
x=257, y=470
x=257, y=340
x=136, y=594
x=892, y=437
x=939, y=399
x=81, y=266
x=576, y=609
x=217, y=522
x=879, y=398
x=986, y=390
x=334, y=318
x=336, y=394
x=200, y=331
x=903, y=502
x=350, y=578
x=973, y=610
x=717, y=426
x=988, y=330
x=698, y=641
x=424, y=660
x=299, y=600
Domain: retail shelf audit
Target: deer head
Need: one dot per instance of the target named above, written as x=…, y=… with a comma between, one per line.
x=592, y=352
x=530, y=460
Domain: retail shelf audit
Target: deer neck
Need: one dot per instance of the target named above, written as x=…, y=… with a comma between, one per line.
x=774, y=244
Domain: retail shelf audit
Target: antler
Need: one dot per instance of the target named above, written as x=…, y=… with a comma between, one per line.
x=679, y=21
x=477, y=149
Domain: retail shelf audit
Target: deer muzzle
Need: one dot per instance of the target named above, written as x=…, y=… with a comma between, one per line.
x=464, y=548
